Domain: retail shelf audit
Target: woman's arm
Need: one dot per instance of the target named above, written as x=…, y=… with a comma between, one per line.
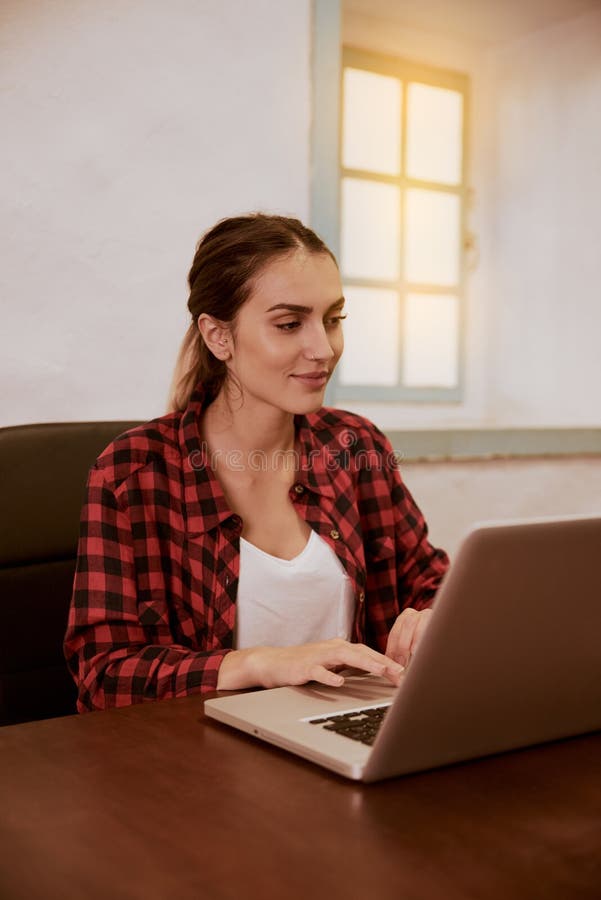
x=420, y=572
x=106, y=645
x=404, y=570
x=421, y=566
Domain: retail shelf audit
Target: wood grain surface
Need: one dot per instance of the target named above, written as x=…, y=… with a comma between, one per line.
x=154, y=801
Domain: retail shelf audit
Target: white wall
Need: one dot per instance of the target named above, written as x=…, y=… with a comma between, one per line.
x=454, y=495
x=130, y=126
x=545, y=353
x=534, y=301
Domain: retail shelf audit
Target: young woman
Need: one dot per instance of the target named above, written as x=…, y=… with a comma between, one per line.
x=250, y=537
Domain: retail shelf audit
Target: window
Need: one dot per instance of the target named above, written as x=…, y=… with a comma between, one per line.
x=402, y=222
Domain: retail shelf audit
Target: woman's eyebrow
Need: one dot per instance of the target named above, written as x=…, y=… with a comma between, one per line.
x=295, y=307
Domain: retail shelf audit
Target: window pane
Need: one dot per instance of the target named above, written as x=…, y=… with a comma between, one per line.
x=371, y=229
x=431, y=341
x=371, y=122
x=432, y=237
x=434, y=133
x=371, y=337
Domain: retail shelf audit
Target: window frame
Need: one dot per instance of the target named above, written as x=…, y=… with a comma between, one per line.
x=407, y=71
x=449, y=441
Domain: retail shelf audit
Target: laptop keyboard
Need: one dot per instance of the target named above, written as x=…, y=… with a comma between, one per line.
x=359, y=724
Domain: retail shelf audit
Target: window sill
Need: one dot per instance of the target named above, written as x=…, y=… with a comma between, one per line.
x=489, y=443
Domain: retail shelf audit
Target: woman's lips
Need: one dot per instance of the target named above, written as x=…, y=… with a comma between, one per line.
x=314, y=379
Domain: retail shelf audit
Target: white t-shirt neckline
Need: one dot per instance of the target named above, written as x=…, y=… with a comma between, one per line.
x=278, y=559
x=286, y=602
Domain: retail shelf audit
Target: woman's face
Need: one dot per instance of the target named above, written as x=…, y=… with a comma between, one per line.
x=288, y=335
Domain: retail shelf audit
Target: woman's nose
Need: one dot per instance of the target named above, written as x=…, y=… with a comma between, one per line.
x=319, y=346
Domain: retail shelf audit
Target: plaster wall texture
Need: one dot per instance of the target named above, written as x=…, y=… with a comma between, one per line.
x=455, y=495
x=133, y=126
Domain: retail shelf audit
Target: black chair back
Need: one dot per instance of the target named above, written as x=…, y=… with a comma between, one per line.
x=43, y=471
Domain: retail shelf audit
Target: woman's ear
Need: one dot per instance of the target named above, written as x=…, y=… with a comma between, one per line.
x=216, y=335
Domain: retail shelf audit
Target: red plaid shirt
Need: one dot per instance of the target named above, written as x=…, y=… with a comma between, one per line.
x=154, y=599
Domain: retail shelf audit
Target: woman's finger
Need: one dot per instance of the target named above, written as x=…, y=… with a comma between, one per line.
x=369, y=660
x=401, y=635
x=420, y=628
x=326, y=676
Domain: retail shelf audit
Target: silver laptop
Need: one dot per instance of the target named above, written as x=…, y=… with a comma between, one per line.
x=511, y=657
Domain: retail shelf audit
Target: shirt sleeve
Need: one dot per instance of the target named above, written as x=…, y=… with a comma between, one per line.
x=106, y=646
x=403, y=568
x=420, y=566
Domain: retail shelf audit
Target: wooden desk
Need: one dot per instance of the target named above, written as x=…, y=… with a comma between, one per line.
x=154, y=801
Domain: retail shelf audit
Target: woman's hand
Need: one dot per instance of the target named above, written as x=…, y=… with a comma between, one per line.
x=278, y=666
x=406, y=633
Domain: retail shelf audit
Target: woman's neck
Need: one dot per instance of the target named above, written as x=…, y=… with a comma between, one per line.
x=230, y=425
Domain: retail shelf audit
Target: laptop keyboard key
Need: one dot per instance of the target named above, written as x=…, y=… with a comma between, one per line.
x=359, y=725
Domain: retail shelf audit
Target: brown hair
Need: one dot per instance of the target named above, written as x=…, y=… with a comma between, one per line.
x=227, y=260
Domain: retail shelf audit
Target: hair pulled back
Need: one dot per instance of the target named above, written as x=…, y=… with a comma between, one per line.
x=228, y=258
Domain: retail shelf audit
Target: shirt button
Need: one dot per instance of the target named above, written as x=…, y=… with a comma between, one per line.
x=299, y=488
x=361, y=597
x=334, y=534
x=236, y=521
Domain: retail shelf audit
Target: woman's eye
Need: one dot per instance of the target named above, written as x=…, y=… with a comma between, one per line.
x=331, y=322
x=334, y=321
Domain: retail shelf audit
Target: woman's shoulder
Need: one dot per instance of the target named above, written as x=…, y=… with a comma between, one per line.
x=156, y=441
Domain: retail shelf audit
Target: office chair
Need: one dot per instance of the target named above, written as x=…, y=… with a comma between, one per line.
x=43, y=471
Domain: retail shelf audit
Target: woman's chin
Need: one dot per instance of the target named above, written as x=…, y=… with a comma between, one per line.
x=311, y=406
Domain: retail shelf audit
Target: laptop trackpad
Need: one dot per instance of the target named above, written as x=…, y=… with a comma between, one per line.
x=360, y=689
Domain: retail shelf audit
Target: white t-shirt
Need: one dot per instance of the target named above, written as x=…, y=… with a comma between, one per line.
x=282, y=602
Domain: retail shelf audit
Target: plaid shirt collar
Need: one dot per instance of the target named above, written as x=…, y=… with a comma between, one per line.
x=205, y=502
